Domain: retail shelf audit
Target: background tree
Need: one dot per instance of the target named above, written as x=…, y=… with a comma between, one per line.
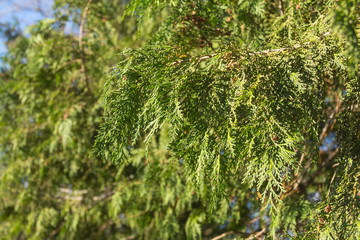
x=50, y=80
x=261, y=102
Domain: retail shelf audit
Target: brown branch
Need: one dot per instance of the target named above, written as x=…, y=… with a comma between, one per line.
x=332, y=155
x=328, y=126
x=300, y=162
x=265, y=52
x=332, y=179
x=81, y=32
x=298, y=180
x=251, y=236
x=54, y=232
x=199, y=59
x=294, y=185
x=37, y=8
x=250, y=53
x=75, y=192
x=281, y=8
x=106, y=225
x=257, y=218
x=257, y=235
x=83, y=18
x=73, y=198
x=103, y=196
x=78, y=195
x=223, y=235
x=332, y=120
x=67, y=63
x=133, y=236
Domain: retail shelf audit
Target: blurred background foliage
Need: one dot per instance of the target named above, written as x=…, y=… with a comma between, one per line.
x=51, y=80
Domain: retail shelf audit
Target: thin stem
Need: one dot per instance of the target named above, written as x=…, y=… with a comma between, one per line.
x=81, y=32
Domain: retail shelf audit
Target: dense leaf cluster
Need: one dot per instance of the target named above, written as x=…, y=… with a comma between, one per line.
x=227, y=119
x=251, y=90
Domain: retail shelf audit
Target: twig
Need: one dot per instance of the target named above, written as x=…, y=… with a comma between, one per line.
x=54, y=232
x=281, y=8
x=250, y=53
x=78, y=195
x=223, y=235
x=241, y=233
x=332, y=155
x=300, y=162
x=81, y=32
x=75, y=192
x=299, y=180
x=106, y=225
x=199, y=59
x=332, y=179
x=255, y=219
x=67, y=63
x=313, y=24
x=73, y=198
x=130, y=237
x=37, y=8
x=256, y=235
x=103, y=196
x=332, y=120
x=265, y=52
x=294, y=185
x=83, y=23
x=275, y=50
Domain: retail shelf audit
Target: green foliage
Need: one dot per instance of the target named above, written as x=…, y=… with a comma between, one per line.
x=216, y=123
x=253, y=90
x=50, y=111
